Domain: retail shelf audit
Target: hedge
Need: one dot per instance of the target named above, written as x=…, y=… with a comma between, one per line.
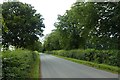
x=17, y=64
x=109, y=57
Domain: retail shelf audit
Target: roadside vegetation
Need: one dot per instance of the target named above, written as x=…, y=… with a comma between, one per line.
x=21, y=29
x=19, y=63
x=35, y=69
x=101, y=59
x=88, y=33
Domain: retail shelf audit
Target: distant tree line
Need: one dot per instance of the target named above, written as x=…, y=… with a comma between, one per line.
x=87, y=25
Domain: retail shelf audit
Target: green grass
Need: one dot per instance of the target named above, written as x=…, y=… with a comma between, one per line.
x=109, y=68
x=108, y=57
x=35, y=69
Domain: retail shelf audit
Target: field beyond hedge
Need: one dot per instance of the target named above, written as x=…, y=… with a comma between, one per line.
x=19, y=64
x=104, y=59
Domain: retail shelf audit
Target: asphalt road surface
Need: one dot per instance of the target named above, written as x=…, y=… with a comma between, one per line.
x=54, y=67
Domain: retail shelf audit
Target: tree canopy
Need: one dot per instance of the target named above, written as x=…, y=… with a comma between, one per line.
x=89, y=25
x=21, y=24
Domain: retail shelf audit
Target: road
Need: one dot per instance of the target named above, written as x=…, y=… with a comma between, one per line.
x=54, y=67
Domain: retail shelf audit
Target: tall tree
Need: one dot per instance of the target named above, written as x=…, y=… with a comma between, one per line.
x=21, y=24
x=90, y=25
x=105, y=33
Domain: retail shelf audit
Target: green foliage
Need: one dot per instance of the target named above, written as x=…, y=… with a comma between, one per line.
x=37, y=46
x=35, y=69
x=105, y=33
x=89, y=25
x=17, y=64
x=21, y=24
x=52, y=41
x=110, y=57
x=0, y=19
x=110, y=68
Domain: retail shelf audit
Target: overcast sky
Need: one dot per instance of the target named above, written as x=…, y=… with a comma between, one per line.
x=49, y=10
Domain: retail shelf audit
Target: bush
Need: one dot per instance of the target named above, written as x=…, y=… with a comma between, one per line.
x=17, y=64
x=109, y=57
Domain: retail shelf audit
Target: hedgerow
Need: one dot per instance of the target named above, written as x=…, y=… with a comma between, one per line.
x=17, y=64
x=110, y=57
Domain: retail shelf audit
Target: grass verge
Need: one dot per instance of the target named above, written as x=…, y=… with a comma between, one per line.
x=105, y=67
x=35, y=69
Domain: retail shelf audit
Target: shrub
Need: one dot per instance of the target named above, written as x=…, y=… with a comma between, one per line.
x=109, y=57
x=17, y=64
